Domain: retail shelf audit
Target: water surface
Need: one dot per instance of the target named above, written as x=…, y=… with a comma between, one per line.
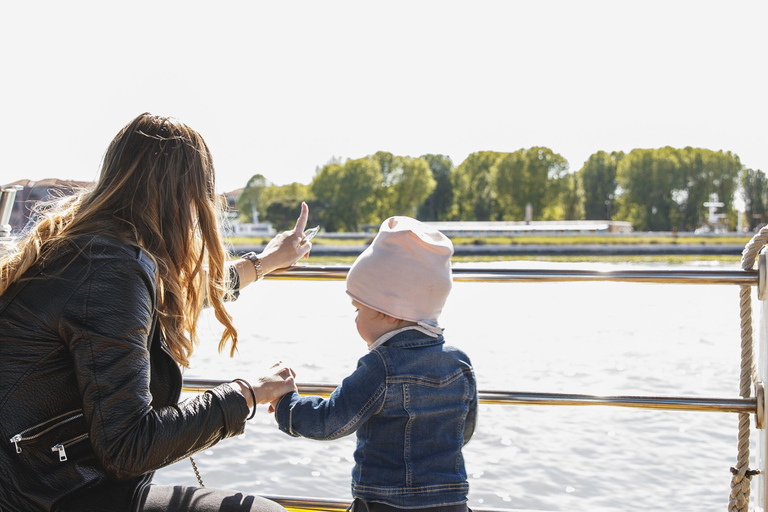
x=595, y=338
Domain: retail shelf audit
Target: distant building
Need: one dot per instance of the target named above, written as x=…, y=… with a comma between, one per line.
x=232, y=198
x=237, y=228
x=47, y=189
x=42, y=190
x=249, y=229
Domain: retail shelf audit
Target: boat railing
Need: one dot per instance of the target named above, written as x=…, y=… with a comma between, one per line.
x=750, y=404
x=679, y=403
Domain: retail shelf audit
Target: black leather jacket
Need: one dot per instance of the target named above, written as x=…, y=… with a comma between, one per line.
x=88, y=389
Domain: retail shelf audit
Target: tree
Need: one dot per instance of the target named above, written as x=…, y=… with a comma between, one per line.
x=666, y=188
x=529, y=176
x=598, y=178
x=406, y=185
x=347, y=193
x=474, y=195
x=647, y=178
x=282, y=205
x=572, y=197
x=438, y=205
x=324, y=187
x=754, y=192
x=706, y=172
x=250, y=201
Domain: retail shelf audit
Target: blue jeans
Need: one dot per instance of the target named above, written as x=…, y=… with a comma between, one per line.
x=360, y=505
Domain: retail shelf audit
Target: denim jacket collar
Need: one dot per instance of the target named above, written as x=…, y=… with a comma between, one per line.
x=410, y=336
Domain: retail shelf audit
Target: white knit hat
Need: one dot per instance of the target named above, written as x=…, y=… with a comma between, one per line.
x=405, y=272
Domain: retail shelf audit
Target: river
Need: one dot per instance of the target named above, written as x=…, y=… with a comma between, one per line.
x=594, y=338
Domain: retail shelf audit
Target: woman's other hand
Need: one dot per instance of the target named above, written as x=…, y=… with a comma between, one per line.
x=273, y=385
x=286, y=248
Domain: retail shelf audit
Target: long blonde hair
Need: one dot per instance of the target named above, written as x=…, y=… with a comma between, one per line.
x=156, y=190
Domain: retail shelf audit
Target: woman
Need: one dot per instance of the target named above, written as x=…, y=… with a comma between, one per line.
x=98, y=309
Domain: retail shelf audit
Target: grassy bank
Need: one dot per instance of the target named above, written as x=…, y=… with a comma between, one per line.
x=603, y=240
x=555, y=240
x=552, y=240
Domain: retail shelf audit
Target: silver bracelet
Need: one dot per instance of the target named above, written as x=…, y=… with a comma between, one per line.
x=253, y=397
x=251, y=256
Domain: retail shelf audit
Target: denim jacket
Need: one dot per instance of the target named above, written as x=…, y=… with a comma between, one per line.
x=413, y=403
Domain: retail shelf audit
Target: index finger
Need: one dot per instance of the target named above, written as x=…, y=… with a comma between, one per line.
x=301, y=222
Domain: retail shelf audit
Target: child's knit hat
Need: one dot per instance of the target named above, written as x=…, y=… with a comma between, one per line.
x=405, y=272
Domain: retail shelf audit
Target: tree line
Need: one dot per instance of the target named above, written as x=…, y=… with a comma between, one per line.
x=655, y=189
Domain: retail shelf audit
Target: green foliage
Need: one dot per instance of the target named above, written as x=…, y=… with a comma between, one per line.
x=405, y=186
x=472, y=186
x=533, y=177
x=250, y=200
x=324, y=186
x=705, y=173
x=655, y=189
x=599, y=184
x=277, y=204
x=755, y=193
x=282, y=205
x=664, y=189
x=497, y=186
x=346, y=194
x=438, y=205
x=370, y=189
x=572, y=197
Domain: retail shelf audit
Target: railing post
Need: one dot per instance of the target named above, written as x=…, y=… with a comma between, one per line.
x=762, y=378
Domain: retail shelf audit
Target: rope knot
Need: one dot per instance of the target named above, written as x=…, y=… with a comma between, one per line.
x=749, y=473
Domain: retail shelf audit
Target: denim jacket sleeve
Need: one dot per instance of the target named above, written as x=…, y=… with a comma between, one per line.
x=360, y=396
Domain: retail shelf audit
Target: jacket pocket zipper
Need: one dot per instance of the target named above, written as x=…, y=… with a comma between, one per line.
x=61, y=447
x=24, y=436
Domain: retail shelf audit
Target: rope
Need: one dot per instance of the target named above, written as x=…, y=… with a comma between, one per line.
x=740, y=483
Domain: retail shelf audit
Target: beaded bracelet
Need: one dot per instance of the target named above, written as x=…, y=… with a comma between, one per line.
x=253, y=395
x=253, y=258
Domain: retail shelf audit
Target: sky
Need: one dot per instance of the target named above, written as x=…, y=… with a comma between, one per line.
x=281, y=88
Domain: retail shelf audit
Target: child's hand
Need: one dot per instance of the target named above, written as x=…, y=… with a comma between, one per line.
x=273, y=405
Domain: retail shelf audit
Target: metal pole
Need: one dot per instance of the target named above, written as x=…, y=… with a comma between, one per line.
x=707, y=404
x=469, y=274
x=333, y=505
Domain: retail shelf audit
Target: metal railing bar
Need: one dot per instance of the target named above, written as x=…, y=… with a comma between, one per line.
x=334, y=505
x=678, y=403
x=472, y=274
x=314, y=504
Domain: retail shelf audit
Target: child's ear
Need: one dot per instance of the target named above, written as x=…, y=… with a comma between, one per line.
x=391, y=319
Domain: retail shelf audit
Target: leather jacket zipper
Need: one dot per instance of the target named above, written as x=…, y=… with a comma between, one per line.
x=61, y=447
x=26, y=434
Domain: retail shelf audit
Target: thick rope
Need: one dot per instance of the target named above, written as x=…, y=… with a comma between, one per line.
x=740, y=484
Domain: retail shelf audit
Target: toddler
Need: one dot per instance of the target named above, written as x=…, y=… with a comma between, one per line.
x=412, y=399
